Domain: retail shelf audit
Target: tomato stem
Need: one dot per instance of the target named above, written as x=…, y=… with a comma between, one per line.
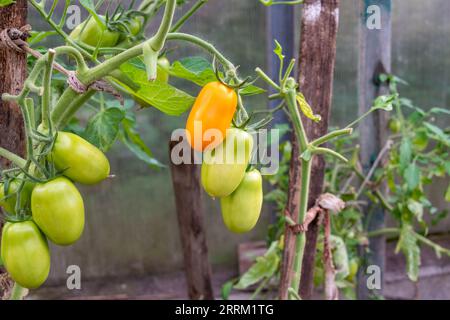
x=300, y=133
x=267, y=79
x=203, y=44
x=158, y=40
x=18, y=161
x=331, y=135
x=17, y=292
x=46, y=98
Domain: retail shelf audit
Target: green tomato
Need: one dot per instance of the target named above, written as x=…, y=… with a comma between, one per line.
x=58, y=210
x=224, y=167
x=241, y=209
x=163, y=70
x=25, y=254
x=135, y=26
x=9, y=204
x=78, y=159
x=93, y=34
x=395, y=125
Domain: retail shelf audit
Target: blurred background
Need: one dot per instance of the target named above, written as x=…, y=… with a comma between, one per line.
x=131, y=242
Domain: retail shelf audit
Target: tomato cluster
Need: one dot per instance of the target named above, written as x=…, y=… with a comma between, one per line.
x=226, y=158
x=57, y=209
x=92, y=33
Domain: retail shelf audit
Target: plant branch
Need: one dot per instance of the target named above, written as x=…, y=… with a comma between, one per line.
x=329, y=152
x=203, y=44
x=46, y=98
x=267, y=79
x=187, y=15
x=383, y=232
x=17, y=292
x=158, y=40
x=380, y=156
x=18, y=161
x=331, y=135
x=269, y=3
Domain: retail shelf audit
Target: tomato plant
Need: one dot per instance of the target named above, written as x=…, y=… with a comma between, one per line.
x=112, y=56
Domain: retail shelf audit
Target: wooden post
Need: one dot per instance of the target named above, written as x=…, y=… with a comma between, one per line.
x=319, y=26
x=374, y=58
x=188, y=198
x=13, y=72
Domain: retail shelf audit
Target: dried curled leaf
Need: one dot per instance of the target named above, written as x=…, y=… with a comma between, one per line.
x=330, y=202
x=306, y=108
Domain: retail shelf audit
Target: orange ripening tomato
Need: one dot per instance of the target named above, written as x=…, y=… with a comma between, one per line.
x=211, y=116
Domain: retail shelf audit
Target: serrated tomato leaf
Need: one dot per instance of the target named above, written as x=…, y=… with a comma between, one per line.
x=200, y=71
x=166, y=98
x=408, y=245
x=160, y=95
x=264, y=267
x=103, y=128
x=133, y=141
x=195, y=69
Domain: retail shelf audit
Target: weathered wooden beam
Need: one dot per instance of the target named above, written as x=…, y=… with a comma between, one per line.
x=319, y=24
x=374, y=58
x=188, y=199
x=13, y=72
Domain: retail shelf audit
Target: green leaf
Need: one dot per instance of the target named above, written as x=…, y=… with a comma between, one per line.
x=279, y=50
x=405, y=153
x=439, y=110
x=306, y=108
x=102, y=129
x=416, y=209
x=264, y=267
x=89, y=5
x=131, y=139
x=195, y=69
x=437, y=133
x=160, y=95
x=447, y=194
x=4, y=3
x=408, y=244
x=226, y=289
x=200, y=71
x=251, y=90
x=412, y=176
x=384, y=102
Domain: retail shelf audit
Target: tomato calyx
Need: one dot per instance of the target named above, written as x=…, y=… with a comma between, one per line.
x=13, y=218
x=231, y=75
